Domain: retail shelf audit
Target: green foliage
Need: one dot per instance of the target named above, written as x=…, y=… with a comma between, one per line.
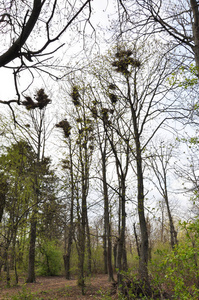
x=184, y=78
x=132, y=287
x=50, y=259
x=97, y=260
x=180, y=266
x=103, y=295
x=25, y=294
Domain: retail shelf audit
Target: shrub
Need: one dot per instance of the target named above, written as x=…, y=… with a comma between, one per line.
x=24, y=295
x=50, y=262
x=180, y=266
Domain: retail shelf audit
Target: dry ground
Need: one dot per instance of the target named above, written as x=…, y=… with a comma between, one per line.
x=57, y=288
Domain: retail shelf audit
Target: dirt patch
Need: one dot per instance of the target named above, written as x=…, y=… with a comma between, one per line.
x=58, y=288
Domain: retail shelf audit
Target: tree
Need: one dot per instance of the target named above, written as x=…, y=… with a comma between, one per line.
x=18, y=165
x=179, y=22
x=33, y=128
x=105, y=152
x=112, y=147
x=188, y=173
x=3, y=191
x=30, y=34
x=159, y=162
x=107, y=222
x=38, y=139
x=83, y=150
x=120, y=150
x=138, y=79
x=68, y=165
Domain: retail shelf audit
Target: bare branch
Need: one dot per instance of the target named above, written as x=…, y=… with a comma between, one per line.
x=15, y=50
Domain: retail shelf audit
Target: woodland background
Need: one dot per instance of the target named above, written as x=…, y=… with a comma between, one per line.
x=99, y=144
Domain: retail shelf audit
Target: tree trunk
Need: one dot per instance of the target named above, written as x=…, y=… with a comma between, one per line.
x=2, y=205
x=105, y=255
x=115, y=254
x=173, y=233
x=70, y=232
x=82, y=236
x=195, y=28
x=88, y=246
x=107, y=227
x=121, y=251
x=81, y=256
x=66, y=258
x=109, y=255
x=144, y=247
x=7, y=270
x=136, y=240
x=143, y=269
x=3, y=191
x=31, y=261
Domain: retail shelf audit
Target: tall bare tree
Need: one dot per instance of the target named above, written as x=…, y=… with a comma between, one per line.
x=133, y=82
x=82, y=131
x=159, y=162
x=69, y=165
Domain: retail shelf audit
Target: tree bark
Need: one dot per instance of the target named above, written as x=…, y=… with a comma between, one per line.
x=31, y=266
x=88, y=243
x=109, y=255
x=143, y=262
x=173, y=233
x=195, y=29
x=66, y=258
x=3, y=191
x=82, y=230
x=70, y=232
x=15, y=50
x=107, y=227
x=136, y=240
x=121, y=261
x=144, y=247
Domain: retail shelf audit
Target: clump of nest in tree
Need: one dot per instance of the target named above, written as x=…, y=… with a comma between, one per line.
x=113, y=98
x=86, y=129
x=84, y=144
x=112, y=86
x=40, y=101
x=89, y=128
x=65, y=164
x=105, y=115
x=124, y=60
x=81, y=130
x=94, y=112
x=121, y=53
x=65, y=126
x=79, y=120
x=91, y=147
x=89, y=121
x=75, y=95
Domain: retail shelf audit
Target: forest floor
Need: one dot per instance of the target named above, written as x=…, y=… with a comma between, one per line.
x=58, y=288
